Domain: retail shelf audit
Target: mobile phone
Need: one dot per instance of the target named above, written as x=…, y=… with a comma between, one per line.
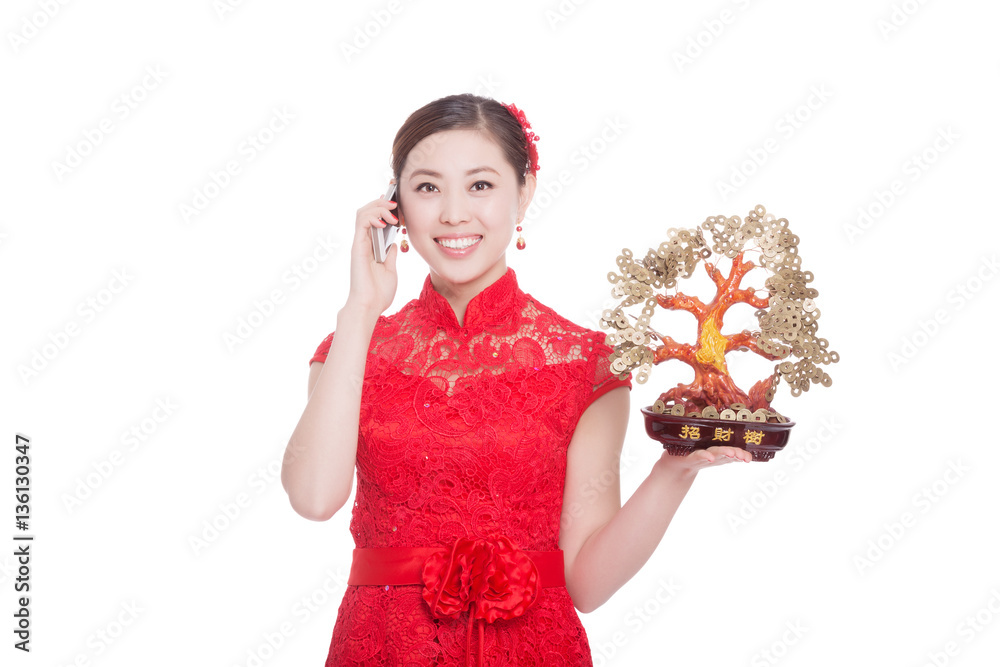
x=382, y=237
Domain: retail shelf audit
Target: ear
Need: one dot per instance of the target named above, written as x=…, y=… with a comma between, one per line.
x=527, y=192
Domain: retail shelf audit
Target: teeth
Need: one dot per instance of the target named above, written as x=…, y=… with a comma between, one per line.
x=459, y=244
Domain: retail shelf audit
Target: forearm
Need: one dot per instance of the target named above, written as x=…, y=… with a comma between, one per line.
x=318, y=467
x=615, y=552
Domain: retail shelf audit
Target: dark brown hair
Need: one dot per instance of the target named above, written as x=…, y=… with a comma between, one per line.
x=463, y=112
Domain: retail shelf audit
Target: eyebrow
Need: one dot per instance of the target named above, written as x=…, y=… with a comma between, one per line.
x=434, y=174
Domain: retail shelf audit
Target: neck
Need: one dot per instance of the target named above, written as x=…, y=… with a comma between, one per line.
x=459, y=295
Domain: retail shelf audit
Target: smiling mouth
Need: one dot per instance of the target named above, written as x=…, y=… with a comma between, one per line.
x=459, y=244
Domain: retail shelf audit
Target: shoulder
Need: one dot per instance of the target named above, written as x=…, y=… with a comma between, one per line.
x=570, y=342
x=549, y=322
x=391, y=325
x=386, y=327
x=581, y=347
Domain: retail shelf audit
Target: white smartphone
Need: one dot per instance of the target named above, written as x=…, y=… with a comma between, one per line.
x=382, y=237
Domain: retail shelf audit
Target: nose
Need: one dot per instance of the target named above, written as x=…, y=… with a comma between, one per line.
x=455, y=208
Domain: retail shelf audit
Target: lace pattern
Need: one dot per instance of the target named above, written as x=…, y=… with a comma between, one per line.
x=464, y=431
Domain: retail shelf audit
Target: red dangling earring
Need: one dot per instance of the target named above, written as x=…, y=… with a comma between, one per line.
x=520, y=239
x=403, y=245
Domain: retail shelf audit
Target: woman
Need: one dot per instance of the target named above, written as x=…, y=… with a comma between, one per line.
x=476, y=417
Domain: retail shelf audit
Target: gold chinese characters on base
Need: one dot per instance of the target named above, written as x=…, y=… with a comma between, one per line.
x=683, y=435
x=698, y=414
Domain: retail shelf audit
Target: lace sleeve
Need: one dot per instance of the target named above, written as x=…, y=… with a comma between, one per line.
x=603, y=379
x=322, y=350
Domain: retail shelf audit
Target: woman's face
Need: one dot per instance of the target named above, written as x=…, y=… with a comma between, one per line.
x=461, y=200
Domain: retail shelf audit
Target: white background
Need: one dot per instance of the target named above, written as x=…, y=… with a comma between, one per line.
x=834, y=537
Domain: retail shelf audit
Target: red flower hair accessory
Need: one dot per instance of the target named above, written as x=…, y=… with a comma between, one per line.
x=529, y=135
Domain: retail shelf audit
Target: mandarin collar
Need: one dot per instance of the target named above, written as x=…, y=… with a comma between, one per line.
x=497, y=306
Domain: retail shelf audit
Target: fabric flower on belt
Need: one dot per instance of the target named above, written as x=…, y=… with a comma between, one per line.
x=490, y=578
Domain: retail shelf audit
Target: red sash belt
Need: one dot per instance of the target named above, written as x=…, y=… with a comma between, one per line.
x=491, y=579
x=402, y=566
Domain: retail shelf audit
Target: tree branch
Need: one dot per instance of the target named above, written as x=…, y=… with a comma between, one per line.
x=691, y=304
x=715, y=274
x=744, y=340
x=749, y=295
x=728, y=292
x=671, y=349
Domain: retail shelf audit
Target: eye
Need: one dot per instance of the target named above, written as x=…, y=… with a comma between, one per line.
x=480, y=186
x=426, y=187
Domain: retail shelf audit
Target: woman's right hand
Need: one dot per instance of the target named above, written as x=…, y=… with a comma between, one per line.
x=373, y=284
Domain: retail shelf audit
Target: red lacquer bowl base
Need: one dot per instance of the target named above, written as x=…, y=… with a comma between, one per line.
x=682, y=435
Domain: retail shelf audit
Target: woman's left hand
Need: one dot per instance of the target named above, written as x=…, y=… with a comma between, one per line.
x=704, y=458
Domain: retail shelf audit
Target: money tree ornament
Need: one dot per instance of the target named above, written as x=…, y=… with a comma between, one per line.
x=712, y=409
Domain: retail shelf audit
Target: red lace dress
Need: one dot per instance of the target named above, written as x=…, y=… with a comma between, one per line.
x=463, y=433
